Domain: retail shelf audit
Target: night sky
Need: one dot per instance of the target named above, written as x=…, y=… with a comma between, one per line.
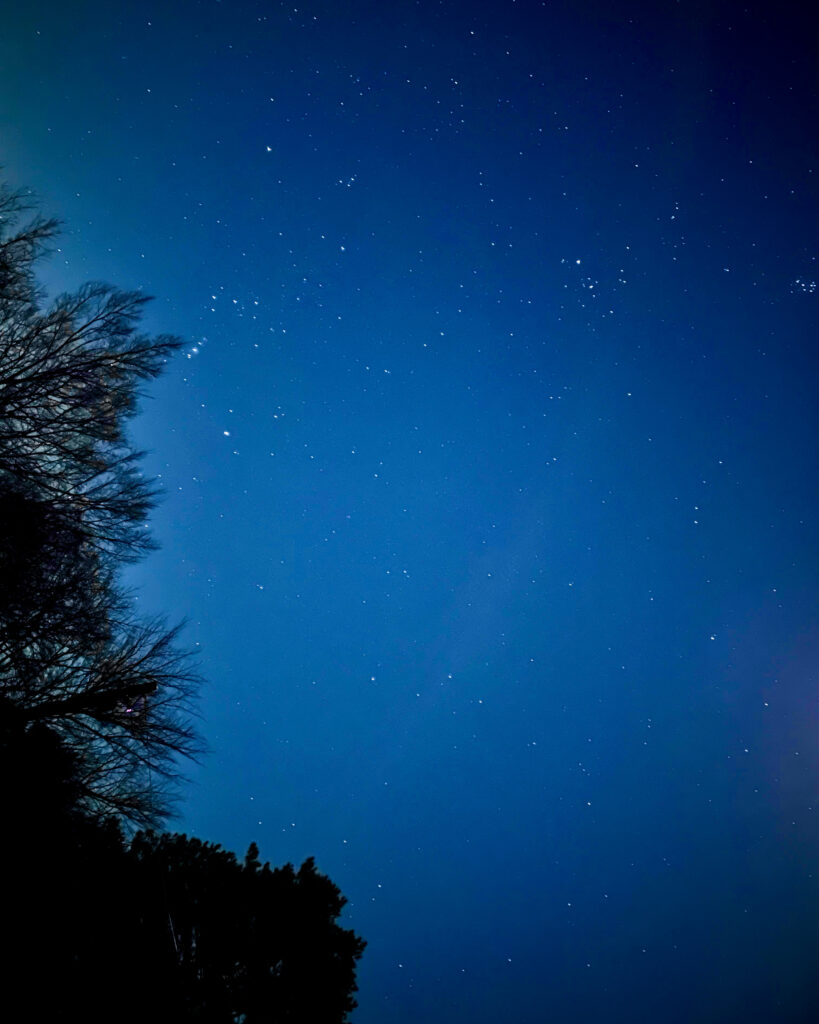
x=490, y=467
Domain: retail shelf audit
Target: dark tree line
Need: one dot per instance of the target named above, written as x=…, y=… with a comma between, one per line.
x=96, y=709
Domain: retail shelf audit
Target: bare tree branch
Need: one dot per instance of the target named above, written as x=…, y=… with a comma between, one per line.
x=73, y=511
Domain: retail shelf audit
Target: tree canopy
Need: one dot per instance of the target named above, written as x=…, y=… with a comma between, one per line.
x=73, y=510
x=165, y=928
x=97, y=708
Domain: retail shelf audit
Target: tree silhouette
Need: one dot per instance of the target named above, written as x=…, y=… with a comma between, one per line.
x=251, y=943
x=66, y=927
x=166, y=928
x=73, y=509
x=96, y=708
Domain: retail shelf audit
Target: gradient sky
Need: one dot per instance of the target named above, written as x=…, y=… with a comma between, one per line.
x=490, y=467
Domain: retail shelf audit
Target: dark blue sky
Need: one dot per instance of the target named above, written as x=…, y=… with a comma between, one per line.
x=490, y=467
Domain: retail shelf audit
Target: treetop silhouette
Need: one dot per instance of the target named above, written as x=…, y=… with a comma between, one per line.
x=73, y=511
